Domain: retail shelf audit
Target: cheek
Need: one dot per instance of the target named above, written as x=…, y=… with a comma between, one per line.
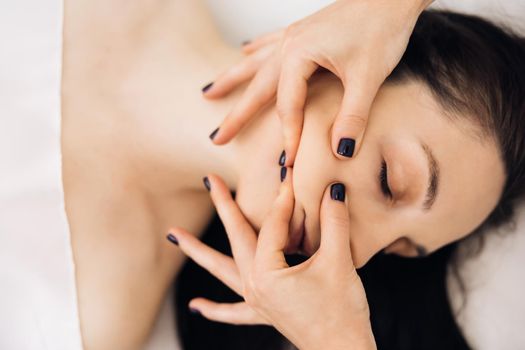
x=371, y=230
x=256, y=191
x=259, y=177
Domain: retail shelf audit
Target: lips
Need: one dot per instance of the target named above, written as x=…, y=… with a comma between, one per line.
x=295, y=241
x=297, y=234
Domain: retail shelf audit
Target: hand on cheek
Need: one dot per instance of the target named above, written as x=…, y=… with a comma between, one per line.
x=288, y=298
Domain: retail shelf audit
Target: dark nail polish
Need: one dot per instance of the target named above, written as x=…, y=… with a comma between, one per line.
x=214, y=133
x=346, y=147
x=194, y=311
x=245, y=42
x=207, y=87
x=284, y=170
x=282, y=158
x=206, y=183
x=172, y=239
x=337, y=192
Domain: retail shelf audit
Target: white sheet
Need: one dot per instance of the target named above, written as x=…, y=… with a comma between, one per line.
x=37, y=289
x=37, y=294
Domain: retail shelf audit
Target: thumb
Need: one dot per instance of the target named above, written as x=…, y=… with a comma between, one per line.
x=349, y=126
x=335, y=226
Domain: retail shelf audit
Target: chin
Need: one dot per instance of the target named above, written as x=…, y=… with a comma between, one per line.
x=256, y=191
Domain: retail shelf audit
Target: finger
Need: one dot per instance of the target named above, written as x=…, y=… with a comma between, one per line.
x=274, y=233
x=234, y=313
x=335, y=226
x=243, y=240
x=219, y=265
x=258, y=93
x=291, y=97
x=349, y=126
x=262, y=41
x=238, y=74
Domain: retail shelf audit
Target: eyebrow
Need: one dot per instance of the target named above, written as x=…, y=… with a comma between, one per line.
x=433, y=179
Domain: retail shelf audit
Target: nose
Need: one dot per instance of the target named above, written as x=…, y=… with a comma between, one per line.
x=316, y=167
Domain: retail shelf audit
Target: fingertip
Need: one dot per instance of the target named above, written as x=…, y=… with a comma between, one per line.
x=206, y=88
x=349, y=127
x=217, y=185
x=212, y=180
x=177, y=236
x=194, y=307
x=220, y=136
x=346, y=147
x=290, y=161
x=177, y=232
x=207, y=183
x=248, y=49
x=216, y=89
x=286, y=181
x=171, y=237
x=334, y=198
x=292, y=130
x=335, y=224
x=216, y=93
x=213, y=134
x=284, y=170
x=338, y=192
x=290, y=156
x=345, y=142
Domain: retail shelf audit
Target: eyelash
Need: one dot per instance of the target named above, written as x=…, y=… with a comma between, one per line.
x=383, y=181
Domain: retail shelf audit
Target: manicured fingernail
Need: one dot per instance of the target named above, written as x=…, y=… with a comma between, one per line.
x=283, y=173
x=214, y=133
x=245, y=42
x=346, y=147
x=282, y=158
x=337, y=192
x=172, y=239
x=195, y=311
x=206, y=183
x=207, y=87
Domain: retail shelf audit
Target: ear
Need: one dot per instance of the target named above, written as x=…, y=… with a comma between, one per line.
x=404, y=246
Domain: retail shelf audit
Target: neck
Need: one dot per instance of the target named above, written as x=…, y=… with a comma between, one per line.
x=152, y=85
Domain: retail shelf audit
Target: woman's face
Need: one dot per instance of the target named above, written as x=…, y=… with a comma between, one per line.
x=444, y=178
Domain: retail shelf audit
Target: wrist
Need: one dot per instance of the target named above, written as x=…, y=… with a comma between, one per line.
x=352, y=338
x=413, y=9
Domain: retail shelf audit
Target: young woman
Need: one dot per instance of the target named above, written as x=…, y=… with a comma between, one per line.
x=442, y=154
x=438, y=56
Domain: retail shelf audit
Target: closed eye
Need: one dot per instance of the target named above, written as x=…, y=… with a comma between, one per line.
x=383, y=181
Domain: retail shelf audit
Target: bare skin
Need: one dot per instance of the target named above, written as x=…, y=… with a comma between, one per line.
x=135, y=147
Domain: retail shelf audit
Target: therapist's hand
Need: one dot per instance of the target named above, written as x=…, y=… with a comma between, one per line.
x=360, y=41
x=319, y=304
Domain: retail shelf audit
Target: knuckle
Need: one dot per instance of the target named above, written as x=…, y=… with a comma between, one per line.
x=237, y=70
x=337, y=222
x=249, y=293
x=266, y=91
x=292, y=30
x=287, y=111
x=282, y=109
x=352, y=121
x=290, y=41
x=230, y=121
x=256, y=288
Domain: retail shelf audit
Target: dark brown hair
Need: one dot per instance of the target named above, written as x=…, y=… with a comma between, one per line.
x=475, y=69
